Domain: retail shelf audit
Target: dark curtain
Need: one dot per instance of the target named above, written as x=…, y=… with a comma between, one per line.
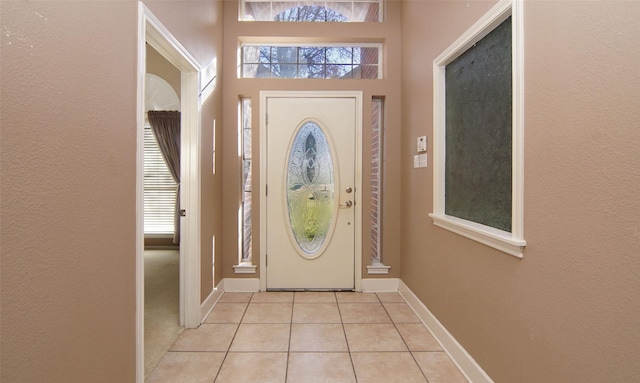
x=166, y=128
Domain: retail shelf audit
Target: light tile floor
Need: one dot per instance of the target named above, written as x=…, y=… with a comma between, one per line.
x=308, y=337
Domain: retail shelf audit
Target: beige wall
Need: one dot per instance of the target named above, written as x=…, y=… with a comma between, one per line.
x=68, y=236
x=68, y=120
x=161, y=67
x=389, y=32
x=567, y=312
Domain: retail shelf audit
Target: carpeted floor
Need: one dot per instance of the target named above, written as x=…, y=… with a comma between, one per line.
x=161, y=300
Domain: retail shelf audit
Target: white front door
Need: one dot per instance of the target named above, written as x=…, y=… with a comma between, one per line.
x=311, y=192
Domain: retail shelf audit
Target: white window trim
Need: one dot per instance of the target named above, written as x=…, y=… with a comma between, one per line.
x=509, y=242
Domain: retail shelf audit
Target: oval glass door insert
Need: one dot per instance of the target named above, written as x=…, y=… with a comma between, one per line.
x=310, y=189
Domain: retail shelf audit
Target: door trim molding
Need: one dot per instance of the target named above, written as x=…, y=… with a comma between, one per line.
x=151, y=30
x=357, y=95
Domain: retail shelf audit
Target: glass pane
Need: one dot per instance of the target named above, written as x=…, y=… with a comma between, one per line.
x=250, y=71
x=368, y=11
x=312, y=71
x=285, y=70
x=256, y=11
x=340, y=55
x=339, y=71
x=247, y=213
x=377, y=138
x=356, y=54
x=312, y=55
x=310, y=188
x=317, y=12
x=310, y=11
x=283, y=11
x=368, y=55
x=287, y=55
x=265, y=55
x=251, y=54
x=369, y=72
x=344, y=9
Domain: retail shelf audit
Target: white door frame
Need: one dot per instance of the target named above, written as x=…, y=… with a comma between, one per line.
x=357, y=95
x=151, y=30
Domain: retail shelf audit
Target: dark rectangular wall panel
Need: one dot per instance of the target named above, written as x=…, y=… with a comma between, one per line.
x=478, y=131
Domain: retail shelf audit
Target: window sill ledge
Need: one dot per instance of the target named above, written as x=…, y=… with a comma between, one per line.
x=245, y=268
x=498, y=239
x=378, y=268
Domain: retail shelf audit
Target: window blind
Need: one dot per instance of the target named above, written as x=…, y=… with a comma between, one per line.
x=159, y=188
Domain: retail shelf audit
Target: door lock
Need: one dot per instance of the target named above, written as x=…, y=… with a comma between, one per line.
x=348, y=189
x=346, y=204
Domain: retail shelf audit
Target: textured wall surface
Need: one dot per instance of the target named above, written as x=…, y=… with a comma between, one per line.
x=68, y=191
x=568, y=311
x=68, y=172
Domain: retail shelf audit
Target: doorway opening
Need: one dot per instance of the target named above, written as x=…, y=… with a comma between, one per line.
x=151, y=32
x=161, y=239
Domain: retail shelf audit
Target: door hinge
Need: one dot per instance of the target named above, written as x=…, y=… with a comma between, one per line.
x=266, y=189
x=266, y=119
x=266, y=260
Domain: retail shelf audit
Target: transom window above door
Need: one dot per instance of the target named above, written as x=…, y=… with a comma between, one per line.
x=336, y=61
x=311, y=10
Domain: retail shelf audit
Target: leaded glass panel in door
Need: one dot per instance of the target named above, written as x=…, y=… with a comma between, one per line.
x=310, y=189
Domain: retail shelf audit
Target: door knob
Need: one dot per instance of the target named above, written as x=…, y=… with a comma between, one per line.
x=348, y=189
x=346, y=204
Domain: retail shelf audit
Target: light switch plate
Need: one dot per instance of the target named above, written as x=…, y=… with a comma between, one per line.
x=422, y=144
x=423, y=160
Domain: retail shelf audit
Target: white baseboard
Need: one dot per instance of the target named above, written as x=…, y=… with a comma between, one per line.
x=227, y=285
x=379, y=285
x=472, y=370
x=212, y=299
x=241, y=285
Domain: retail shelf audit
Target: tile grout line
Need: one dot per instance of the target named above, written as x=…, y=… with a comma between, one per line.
x=286, y=369
x=346, y=340
x=401, y=337
x=232, y=339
